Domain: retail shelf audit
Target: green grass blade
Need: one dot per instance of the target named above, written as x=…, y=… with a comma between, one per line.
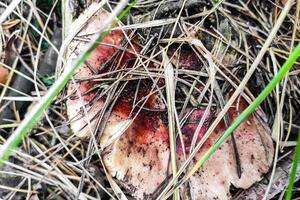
x=294, y=170
x=38, y=110
x=243, y=116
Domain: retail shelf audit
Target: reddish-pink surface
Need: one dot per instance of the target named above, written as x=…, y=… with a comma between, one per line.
x=189, y=128
x=109, y=48
x=184, y=58
x=145, y=122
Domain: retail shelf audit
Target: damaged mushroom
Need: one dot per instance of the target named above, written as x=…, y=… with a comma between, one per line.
x=139, y=156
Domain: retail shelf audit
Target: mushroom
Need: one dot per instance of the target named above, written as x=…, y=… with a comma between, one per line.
x=135, y=140
x=218, y=173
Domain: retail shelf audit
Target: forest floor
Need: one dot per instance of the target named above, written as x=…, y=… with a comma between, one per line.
x=51, y=162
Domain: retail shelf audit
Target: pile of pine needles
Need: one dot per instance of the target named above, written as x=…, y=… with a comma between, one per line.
x=250, y=39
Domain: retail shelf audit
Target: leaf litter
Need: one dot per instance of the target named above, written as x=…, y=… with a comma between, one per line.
x=233, y=33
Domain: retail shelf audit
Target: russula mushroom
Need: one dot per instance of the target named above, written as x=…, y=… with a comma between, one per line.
x=139, y=156
x=255, y=147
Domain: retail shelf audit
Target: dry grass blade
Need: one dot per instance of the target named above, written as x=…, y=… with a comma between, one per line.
x=170, y=93
x=9, y=10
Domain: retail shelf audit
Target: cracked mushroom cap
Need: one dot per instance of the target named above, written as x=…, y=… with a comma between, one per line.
x=135, y=140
